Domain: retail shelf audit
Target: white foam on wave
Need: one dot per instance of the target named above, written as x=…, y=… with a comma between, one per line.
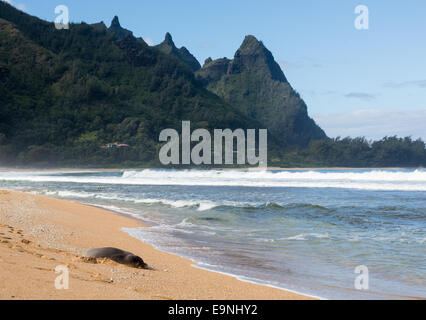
x=69, y=194
x=402, y=180
x=200, y=205
x=185, y=224
x=84, y=195
x=307, y=236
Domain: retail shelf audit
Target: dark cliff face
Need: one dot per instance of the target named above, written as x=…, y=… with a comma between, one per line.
x=168, y=47
x=213, y=70
x=255, y=84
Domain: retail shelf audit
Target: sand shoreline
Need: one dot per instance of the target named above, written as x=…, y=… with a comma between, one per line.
x=38, y=233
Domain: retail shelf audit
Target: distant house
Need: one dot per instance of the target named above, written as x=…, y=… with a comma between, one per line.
x=115, y=145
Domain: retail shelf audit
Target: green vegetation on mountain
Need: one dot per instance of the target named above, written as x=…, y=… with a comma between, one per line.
x=254, y=83
x=66, y=93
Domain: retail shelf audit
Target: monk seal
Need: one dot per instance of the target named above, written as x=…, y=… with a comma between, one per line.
x=117, y=255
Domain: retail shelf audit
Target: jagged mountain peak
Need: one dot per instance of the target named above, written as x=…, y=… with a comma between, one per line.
x=254, y=83
x=251, y=44
x=207, y=61
x=255, y=57
x=252, y=56
x=115, y=22
x=168, y=46
x=168, y=39
x=168, y=43
x=116, y=28
x=183, y=54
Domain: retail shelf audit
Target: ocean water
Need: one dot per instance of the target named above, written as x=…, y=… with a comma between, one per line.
x=303, y=230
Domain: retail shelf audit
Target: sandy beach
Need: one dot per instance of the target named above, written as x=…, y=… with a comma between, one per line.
x=38, y=233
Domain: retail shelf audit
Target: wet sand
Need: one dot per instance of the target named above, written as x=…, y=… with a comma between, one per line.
x=38, y=233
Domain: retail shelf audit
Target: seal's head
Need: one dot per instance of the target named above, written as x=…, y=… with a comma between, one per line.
x=135, y=261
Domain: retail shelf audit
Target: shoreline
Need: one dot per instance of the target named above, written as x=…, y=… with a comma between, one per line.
x=39, y=233
x=260, y=282
x=197, y=264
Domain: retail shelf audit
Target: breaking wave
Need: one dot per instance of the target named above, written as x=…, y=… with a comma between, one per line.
x=401, y=180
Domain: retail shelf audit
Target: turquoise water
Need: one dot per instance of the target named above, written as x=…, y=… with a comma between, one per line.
x=301, y=230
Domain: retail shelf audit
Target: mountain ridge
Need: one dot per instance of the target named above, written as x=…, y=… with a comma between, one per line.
x=65, y=93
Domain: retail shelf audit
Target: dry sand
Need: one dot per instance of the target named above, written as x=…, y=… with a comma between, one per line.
x=39, y=233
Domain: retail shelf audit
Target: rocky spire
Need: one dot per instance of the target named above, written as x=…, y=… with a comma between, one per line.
x=116, y=28
x=253, y=55
x=115, y=23
x=168, y=39
x=168, y=47
x=208, y=60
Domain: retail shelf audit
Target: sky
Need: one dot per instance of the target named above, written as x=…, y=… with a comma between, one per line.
x=369, y=82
